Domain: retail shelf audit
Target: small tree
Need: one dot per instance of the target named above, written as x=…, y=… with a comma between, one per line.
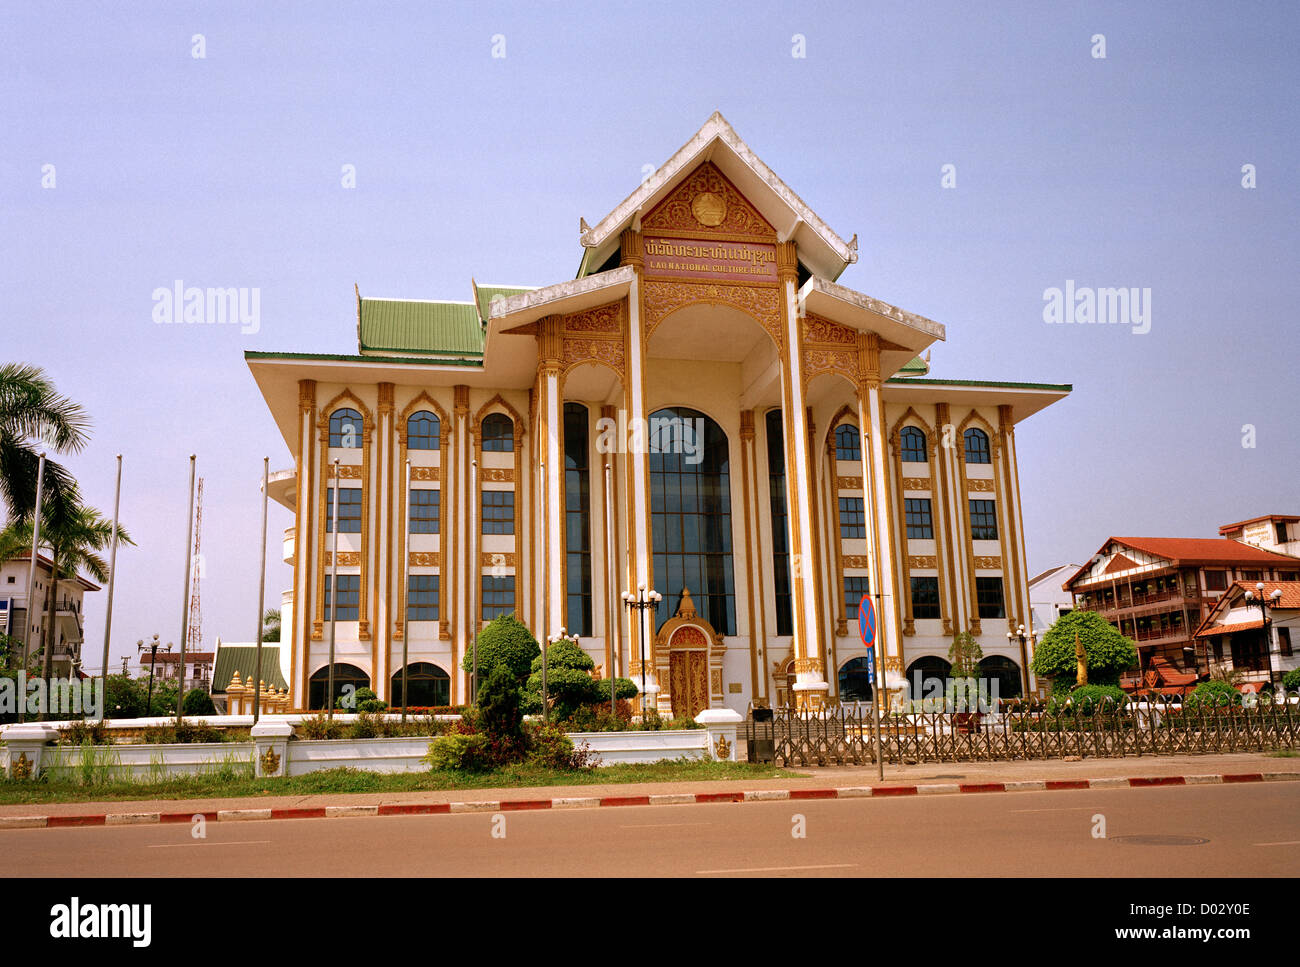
x=123, y=697
x=1106, y=651
x=569, y=684
x=964, y=655
x=198, y=702
x=505, y=641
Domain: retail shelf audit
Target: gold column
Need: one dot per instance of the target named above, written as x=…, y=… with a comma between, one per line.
x=458, y=472
x=304, y=534
x=943, y=485
x=753, y=566
x=381, y=645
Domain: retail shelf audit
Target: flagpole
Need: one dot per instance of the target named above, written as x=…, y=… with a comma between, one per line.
x=185, y=598
x=31, y=577
x=406, y=586
x=261, y=594
x=112, y=573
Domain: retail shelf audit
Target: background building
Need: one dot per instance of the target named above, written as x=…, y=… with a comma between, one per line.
x=1158, y=590
x=28, y=626
x=1252, y=644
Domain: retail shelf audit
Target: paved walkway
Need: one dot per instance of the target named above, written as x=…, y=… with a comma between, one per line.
x=831, y=777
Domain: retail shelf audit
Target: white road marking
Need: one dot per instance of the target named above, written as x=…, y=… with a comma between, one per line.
x=1056, y=809
x=662, y=825
x=1287, y=842
x=780, y=869
x=241, y=842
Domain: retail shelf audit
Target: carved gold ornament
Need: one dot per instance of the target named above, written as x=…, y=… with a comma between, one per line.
x=22, y=769
x=723, y=748
x=270, y=762
x=709, y=209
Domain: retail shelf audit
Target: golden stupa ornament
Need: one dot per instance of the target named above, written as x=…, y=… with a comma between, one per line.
x=709, y=209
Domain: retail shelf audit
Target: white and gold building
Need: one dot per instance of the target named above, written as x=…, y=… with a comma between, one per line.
x=827, y=464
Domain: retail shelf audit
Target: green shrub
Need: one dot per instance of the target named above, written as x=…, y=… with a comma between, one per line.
x=198, y=702
x=569, y=684
x=319, y=727
x=1106, y=651
x=1291, y=680
x=80, y=733
x=505, y=641
x=1213, y=694
x=123, y=697
x=467, y=753
x=501, y=717
x=550, y=748
x=1090, y=699
x=368, y=725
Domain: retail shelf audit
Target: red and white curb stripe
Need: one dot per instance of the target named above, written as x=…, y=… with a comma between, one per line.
x=668, y=799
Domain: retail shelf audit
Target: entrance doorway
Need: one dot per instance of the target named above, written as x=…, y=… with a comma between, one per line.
x=688, y=676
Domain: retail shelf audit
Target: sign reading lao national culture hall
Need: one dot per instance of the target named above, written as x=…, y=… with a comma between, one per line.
x=720, y=261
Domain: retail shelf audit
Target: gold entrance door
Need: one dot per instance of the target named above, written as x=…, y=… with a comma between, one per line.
x=688, y=673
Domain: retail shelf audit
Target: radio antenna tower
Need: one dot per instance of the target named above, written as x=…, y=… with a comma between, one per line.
x=194, y=635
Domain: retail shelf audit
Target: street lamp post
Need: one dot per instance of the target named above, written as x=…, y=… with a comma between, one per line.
x=1019, y=635
x=1257, y=597
x=639, y=604
x=152, y=648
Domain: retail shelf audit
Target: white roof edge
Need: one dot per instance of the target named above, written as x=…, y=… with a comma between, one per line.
x=716, y=127
x=863, y=301
x=536, y=298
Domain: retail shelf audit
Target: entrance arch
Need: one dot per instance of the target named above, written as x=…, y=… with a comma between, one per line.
x=344, y=675
x=688, y=661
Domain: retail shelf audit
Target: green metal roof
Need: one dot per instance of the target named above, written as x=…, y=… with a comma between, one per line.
x=999, y=384
x=243, y=659
x=486, y=293
x=916, y=365
x=368, y=358
x=394, y=325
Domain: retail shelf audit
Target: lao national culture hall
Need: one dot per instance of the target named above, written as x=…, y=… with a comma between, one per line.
x=702, y=411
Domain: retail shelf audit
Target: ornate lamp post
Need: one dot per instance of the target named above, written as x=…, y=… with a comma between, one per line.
x=640, y=604
x=1019, y=635
x=152, y=647
x=1257, y=597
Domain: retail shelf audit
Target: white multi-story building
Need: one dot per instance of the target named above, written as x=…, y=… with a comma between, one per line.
x=704, y=408
x=28, y=626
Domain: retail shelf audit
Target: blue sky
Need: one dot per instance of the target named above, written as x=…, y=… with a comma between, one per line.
x=225, y=171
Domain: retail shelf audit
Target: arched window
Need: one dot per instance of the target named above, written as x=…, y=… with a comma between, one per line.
x=1005, y=672
x=423, y=431
x=344, y=675
x=778, y=508
x=848, y=442
x=345, y=428
x=855, y=680
x=912, y=442
x=429, y=686
x=977, y=446
x=577, y=521
x=498, y=433
x=923, y=672
x=690, y=502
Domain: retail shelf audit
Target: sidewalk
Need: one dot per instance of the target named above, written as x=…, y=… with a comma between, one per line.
x=935, y=778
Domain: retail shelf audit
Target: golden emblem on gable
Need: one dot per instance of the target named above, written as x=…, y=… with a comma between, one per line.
x=709, y=209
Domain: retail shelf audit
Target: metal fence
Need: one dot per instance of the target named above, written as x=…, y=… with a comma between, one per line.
x=1025, y=730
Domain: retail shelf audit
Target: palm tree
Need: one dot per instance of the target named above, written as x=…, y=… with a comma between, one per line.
x=32, y=411
x=75, y=534
x=271, y=625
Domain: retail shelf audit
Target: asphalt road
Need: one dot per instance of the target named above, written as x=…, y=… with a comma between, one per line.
x=1234, y=830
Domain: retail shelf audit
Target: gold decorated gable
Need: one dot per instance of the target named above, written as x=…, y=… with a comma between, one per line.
x=708, y=204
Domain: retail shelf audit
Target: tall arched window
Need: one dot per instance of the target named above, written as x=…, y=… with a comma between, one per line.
x=344, y=675
x=922, y=674
x=423, y=431
x=498, y=433
x=429, y=686
x=912, y=445
x=577, y=521
x=345, y=428
x=690, y=503
x=848, y=442
x=977, y=446
x=1005, y=672
x=779, y=510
